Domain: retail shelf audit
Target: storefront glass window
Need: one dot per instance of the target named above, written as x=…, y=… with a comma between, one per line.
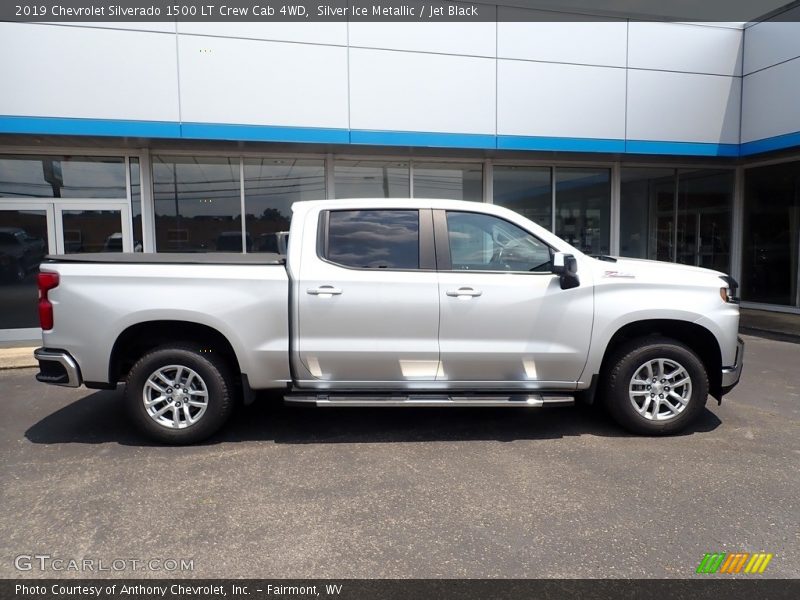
x=771, y=248
x=526, y=190
x=583, y=208
x=371, y=179
x=197, y=204
x=270, y=188
x=454, y=181
x=62, y=177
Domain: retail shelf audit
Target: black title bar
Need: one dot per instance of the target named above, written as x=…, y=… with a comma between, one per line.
x=735, y=12
x=701, y=588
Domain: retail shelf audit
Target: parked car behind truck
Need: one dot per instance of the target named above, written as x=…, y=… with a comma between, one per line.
x=404, y=302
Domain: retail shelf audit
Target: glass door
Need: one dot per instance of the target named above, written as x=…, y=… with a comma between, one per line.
x=685, y=215
x=665, y=226
x=27, y=235
x=713, y=240
x=704, y=218
x=89, y=227
x=687, y=246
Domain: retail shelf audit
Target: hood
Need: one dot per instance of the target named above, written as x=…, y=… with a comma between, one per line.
x=640, y=266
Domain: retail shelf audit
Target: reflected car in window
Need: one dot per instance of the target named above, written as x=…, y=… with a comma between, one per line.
x=20, y=253
x=272, y=242
x=231, y=241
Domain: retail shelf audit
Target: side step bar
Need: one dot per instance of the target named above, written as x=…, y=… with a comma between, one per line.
x=435, y=400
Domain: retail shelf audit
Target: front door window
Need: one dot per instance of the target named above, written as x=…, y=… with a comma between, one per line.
x=481, y=242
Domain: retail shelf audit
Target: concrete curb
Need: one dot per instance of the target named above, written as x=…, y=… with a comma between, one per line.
x=780, y=336
x=17, y=358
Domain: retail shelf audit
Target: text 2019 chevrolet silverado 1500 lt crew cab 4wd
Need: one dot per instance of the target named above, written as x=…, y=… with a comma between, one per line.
x=386, y=303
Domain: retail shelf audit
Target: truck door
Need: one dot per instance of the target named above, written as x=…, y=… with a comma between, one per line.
x=368, y=300
x=505, y=321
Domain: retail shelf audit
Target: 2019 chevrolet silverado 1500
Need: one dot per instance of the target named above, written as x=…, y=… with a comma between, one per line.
x=392, y=302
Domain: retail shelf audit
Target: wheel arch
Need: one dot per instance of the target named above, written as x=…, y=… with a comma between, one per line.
x=696, y=337
x=138, y=339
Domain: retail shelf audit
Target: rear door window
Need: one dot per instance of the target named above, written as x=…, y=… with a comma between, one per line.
x=373, y=239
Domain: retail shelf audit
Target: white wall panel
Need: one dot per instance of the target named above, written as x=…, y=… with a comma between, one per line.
x=770, y=103
x=227, y=80
x=159, y=26
x=476, y=39
x=408, y=91
x=579, y=41
x=542, y=99
x=312, y=33
x=87, y=72
x=683, y=107
x=771, y=42
x=686, y=48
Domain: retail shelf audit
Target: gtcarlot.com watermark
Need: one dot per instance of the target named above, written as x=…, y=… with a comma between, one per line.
x=87, y=564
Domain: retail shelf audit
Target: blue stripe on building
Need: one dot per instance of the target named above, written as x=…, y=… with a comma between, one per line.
x=322, y=135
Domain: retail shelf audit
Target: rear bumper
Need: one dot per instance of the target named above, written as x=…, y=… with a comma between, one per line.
x=57, y=367
x=731, y=375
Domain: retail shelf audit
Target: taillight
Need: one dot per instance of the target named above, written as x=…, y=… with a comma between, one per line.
x=47, y=281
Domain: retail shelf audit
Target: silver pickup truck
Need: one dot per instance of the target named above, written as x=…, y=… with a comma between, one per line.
x=403, y=302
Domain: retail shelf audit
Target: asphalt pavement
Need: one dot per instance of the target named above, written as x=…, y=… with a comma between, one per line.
x=351, y=493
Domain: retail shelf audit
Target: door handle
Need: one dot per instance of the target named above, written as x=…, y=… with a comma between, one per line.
x=324, y=290
x=464, y=292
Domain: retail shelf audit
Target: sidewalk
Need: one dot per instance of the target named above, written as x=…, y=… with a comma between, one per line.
x=16, y=357
x=762, y=323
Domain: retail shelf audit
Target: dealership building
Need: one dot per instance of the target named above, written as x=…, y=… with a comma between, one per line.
x=662, y=140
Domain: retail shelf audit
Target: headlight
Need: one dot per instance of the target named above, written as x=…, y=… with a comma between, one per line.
x=728, y=293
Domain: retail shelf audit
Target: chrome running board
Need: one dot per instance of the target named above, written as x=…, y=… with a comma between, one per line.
x=434, y=400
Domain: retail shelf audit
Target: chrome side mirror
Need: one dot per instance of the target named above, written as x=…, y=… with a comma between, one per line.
x=566, y=267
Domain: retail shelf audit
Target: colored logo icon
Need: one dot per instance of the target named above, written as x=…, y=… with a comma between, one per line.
x=734, y=562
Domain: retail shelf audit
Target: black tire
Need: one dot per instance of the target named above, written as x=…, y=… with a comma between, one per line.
x=627, y=360
x=215, y=375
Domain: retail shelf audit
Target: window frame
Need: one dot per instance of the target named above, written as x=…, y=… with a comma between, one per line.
x=427, y=254
x=442, y=242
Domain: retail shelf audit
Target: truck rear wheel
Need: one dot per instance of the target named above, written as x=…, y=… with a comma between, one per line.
x=176, y=395
x=655, y=386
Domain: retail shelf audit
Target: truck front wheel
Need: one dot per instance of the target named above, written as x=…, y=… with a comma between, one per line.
x=178, y=395
x=655, y=386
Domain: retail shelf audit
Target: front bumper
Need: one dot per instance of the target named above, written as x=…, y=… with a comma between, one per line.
x=731, y=375
x=57, y=367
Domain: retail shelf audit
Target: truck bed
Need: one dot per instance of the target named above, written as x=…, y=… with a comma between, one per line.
x=243, y=297
x=172, y=258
